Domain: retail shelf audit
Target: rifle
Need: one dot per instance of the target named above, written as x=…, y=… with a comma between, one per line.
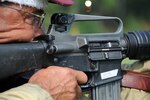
x=99, y=55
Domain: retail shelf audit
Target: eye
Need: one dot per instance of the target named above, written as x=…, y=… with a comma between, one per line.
x=29, y=20
x=32, y=20
x=36, y=20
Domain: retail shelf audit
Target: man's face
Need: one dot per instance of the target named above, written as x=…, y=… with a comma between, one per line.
x=17, y=25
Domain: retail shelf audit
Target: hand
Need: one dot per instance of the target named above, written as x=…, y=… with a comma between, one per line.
x=62, y=83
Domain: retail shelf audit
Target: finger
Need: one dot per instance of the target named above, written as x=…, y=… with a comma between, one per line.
x=81, y=77
x=79, y=91
x=5, y=40
x=4, y=35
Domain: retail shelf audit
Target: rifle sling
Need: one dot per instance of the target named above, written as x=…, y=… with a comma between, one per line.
x=136, y=80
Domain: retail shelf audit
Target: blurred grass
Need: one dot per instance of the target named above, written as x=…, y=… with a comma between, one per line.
x=109, y=4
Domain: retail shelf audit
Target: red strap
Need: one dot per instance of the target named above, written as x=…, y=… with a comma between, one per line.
x=62, y=2
x=136, y=80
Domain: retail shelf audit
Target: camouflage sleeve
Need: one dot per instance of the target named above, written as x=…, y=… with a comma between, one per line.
x=138, y=66
x=135, y=94
x=26, y=92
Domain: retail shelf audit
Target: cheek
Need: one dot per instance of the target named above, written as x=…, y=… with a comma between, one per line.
x=3, y=26
x=33, y=31
x=11, y=24
x=10, y=19
x=38, y=31
x=28, y=32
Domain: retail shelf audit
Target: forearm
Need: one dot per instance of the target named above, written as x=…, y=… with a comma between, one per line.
x=26, y=92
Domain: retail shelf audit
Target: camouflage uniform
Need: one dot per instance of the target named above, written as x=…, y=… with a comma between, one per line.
x=134, y=94
x=26, y=92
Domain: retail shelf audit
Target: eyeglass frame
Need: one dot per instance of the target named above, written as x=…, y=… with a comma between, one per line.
x=42, y=17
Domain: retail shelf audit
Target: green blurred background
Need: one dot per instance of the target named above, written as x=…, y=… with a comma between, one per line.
x=135, y=14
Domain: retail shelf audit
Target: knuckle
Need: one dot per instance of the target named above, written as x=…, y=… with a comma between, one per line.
x=67, y=72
